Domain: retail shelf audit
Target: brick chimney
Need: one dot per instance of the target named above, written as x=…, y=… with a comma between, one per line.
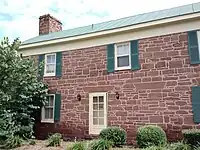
x=48, y=24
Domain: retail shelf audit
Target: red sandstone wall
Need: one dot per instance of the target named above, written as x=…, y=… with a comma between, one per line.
x=158, y=93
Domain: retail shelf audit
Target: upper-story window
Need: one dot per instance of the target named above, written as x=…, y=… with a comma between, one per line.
x=122, y=56
x=50, y=64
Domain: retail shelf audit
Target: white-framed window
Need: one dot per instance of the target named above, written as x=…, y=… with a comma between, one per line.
x=122, y=56
x=198, y=38
x=50, y=64
x=48, y=109
x=97, y=112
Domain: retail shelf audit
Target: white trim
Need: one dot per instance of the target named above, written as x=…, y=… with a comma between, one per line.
x=198, y=38
x=159, y=30
x=49, y=74
x=116, y=56
x=124, y=29
x=47, y=121
x=43, y=120
x=95, y=129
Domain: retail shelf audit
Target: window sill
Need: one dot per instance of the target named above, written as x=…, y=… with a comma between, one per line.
x=94, y=133
x=47, y=121
x=122, y=68
x=49, y=75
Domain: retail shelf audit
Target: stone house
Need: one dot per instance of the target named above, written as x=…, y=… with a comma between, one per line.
x=137, y=70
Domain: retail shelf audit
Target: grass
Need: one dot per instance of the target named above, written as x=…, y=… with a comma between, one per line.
x=41, y=145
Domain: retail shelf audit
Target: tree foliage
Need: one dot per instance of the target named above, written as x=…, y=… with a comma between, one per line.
x=22, y=94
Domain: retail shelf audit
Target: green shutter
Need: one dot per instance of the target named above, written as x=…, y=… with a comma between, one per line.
x=110, y=58
x=193, y=47
x=57, y=107
x=58, y=64
x=135, y=65
x=41, y=64
x=196, y=103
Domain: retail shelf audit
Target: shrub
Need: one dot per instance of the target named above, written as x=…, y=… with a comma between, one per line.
x=77, y=146
x=192, y=136
x=150, y=135
x=179, y=146
x=115, y=134
x=69, y=146
x=101, y=144
x=12, y=142
x=22, y=93
x=54, y=140
x=196, y=148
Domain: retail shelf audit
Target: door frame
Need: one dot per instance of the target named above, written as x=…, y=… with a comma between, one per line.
x=95, y=129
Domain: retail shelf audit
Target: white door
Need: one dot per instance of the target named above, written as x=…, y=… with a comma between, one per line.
x=97, y=112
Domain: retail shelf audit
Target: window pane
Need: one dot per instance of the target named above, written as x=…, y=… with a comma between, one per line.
x=46, y=113
x=95, y=100
x=101, y=121
x=48, y=59
x=95, y=113
x=123, y=61
x=95, y=121
x=51, y=99
x=50, y=68
x=100, y=99
x=51, y=59
x=95, y=106
x=101, y=113
x=123, y=49
x=100, y=106
x=51, y=113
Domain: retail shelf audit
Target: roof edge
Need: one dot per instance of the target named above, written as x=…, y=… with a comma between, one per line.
x=113, y=31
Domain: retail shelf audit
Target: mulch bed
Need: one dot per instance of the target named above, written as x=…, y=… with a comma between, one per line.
x=41, y=145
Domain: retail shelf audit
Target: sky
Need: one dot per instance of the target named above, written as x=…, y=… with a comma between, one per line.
x=20, y=18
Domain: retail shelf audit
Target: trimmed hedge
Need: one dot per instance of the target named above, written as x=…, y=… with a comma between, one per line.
x=116, y=135
x=150, y=135
x=192, y=137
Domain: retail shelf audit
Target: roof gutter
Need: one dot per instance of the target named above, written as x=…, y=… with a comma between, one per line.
x=118, y=30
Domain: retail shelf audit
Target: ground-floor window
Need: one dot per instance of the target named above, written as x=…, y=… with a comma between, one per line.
x=48, y=109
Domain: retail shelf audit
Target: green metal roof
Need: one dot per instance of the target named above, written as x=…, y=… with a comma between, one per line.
x=119, y=23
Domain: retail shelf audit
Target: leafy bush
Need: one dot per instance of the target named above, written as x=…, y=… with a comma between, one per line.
x=22, y=93
x=12, y=142
x=101, y=144
x=196, y=148
x=115, y=134
x=150, y=135
x=192, y=136
x=54, y=140
x=77, y=146
x=179, y=146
